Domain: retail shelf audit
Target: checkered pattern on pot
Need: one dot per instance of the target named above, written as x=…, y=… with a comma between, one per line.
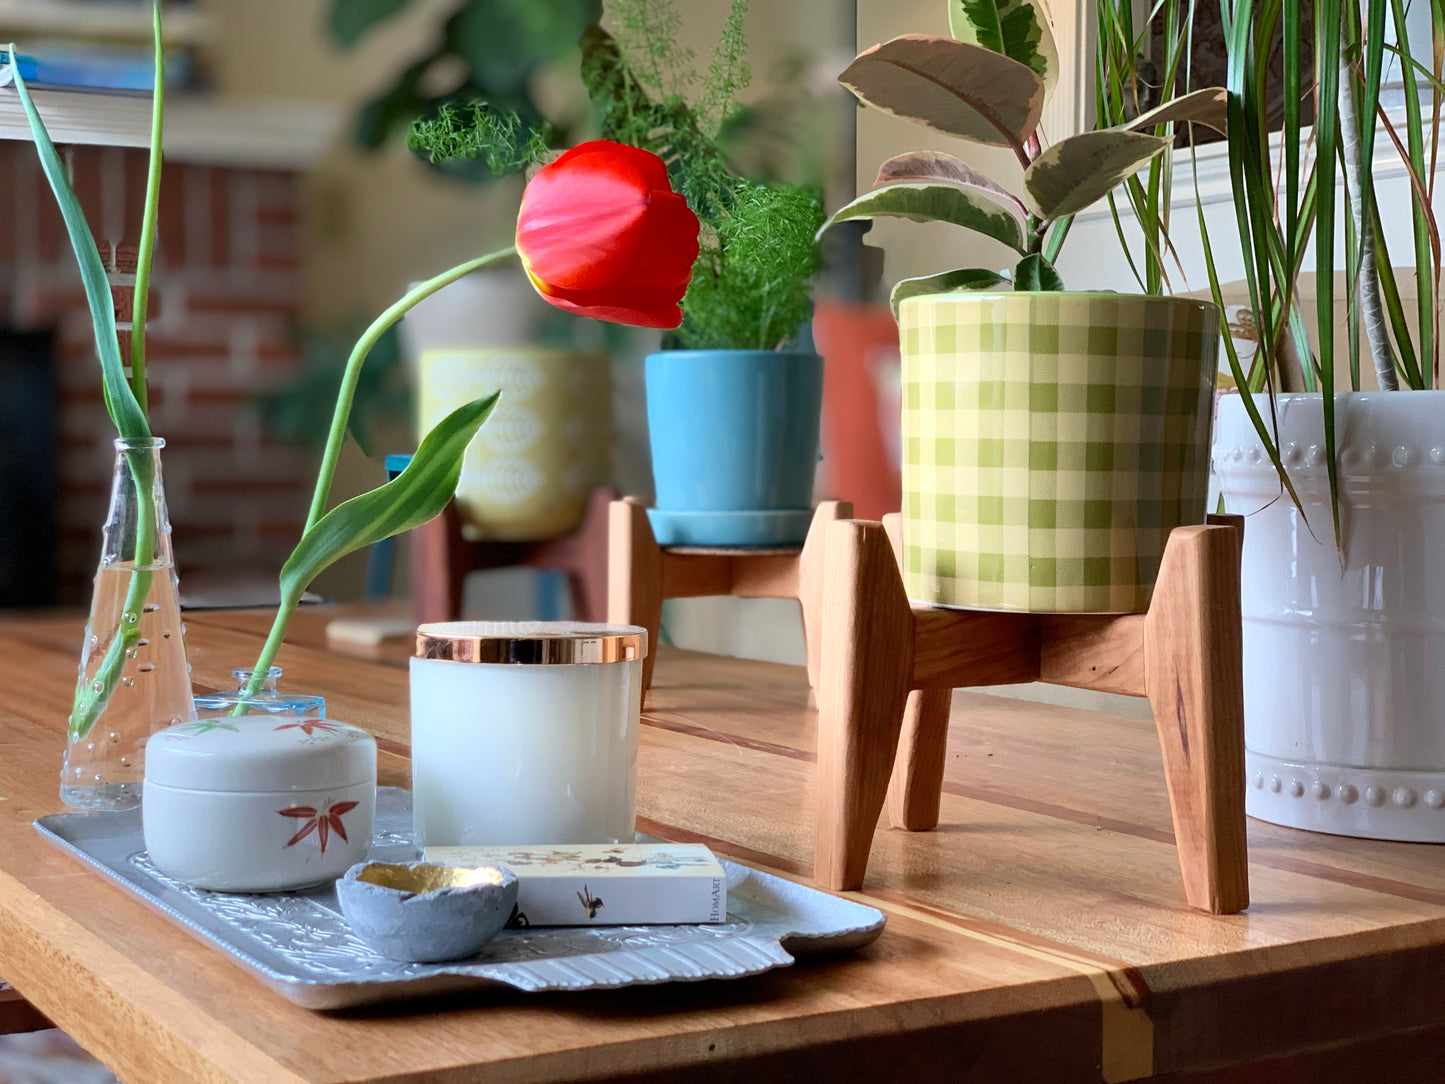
x=1050, y=444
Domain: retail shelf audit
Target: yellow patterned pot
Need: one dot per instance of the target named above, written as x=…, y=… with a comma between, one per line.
x=547, y=445
x=1051, y=441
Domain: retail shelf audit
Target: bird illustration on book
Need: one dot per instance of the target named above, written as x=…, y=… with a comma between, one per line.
x=590, y=903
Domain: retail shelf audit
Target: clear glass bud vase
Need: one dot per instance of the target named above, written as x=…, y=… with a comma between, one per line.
x=134, y=679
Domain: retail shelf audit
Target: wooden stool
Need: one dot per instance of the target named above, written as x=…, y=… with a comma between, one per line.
x=441, y=559
x=888, y=667
x=641, y=574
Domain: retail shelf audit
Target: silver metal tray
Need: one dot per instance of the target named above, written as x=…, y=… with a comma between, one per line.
x=298, y=944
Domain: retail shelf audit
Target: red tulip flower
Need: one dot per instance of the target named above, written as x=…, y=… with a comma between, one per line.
x=601, y=233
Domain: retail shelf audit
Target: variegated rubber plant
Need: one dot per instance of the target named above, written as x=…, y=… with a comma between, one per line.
x=418, y=494
x=988, y=84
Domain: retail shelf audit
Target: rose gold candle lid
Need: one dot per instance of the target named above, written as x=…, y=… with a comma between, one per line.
x=530, y=642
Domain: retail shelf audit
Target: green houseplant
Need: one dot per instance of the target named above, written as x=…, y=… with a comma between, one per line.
x=734, y=399
x=1051, y=439
x=1344, y=650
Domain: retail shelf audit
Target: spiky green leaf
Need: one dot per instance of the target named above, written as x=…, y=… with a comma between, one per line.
x=937, y=203
x=1075, y=172
x=1019, y=29
x=949, y=282
x=950, y=86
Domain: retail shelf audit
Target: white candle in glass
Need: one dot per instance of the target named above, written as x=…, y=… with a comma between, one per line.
x=539, y=749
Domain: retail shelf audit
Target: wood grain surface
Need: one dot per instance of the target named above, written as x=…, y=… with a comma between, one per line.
x=1040, y=933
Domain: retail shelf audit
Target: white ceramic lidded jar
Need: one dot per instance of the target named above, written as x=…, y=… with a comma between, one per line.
x=258, y=803
x=525, y=732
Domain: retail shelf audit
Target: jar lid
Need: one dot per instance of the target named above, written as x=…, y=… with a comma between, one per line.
x=530, y=642
x=266, y=753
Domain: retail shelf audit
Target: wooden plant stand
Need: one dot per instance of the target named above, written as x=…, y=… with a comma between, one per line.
x=641, y=574
x=888, y=668
x=441, y=559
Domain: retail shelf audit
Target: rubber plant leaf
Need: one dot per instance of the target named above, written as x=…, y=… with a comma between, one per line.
x=949, y=282
x=410, y=499
x=120, y=401
x=1209, y=107
x=1019, y=29
x=950, y=86
x=1036, y=273
x=937, y=203
x=1075, y=172
x=917, y=167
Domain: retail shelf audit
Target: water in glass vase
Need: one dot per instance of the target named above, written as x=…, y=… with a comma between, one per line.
x=133, y=678
x=104, y=764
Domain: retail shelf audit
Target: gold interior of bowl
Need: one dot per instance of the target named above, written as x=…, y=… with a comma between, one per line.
x=427, y=877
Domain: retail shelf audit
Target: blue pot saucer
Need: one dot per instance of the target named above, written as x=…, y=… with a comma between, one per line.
x=773, y=527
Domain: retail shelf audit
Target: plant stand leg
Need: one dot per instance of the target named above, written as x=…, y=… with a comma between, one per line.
x=916, y=788
x=866, y=663
x=1193, y=660
x=634, y=576
x=810, y=584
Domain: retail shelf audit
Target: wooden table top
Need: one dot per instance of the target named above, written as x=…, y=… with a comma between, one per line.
x=1039, y=934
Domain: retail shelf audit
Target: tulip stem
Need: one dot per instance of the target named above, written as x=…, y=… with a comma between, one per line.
x=337, y=437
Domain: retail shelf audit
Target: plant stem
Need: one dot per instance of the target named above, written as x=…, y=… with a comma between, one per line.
x=1372, y=310
x=148, y=222
x=337, y=437
x=89, y=703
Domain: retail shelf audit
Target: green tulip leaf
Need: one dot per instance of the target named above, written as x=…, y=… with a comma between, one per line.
x=950, y=282
x=416, y=495
x=950, y=86
x=125, y=410
x=1075, y=172
x=1019, y=29
x=922, y=167
x=1209, y=107
x=1036, y=273
x=937, y=203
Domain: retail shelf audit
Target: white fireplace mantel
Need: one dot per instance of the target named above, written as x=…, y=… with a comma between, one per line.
x=256, y=133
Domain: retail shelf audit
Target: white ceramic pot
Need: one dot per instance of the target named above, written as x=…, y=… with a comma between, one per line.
x=258, y=803
x=1344, y=654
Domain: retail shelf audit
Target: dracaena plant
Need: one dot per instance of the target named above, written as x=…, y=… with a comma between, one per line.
x=1289, y=182
x=987, y=84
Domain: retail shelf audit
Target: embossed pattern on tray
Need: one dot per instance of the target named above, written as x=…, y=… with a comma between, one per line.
x=299, y=944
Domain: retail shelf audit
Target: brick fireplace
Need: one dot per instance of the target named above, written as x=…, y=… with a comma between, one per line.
x=224, y=304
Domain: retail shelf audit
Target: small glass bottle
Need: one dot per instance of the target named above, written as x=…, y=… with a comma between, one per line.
x=267, y=700
x=133, y=678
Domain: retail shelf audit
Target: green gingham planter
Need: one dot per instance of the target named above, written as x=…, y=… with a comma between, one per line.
x=1051, y=441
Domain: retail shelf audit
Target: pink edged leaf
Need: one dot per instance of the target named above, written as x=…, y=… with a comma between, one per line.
x=297, y=811
x=323, y=823
x=338, y=827
x=935, y=167
x=1075, y=172
x=1209, y=107
x=342, y=807
x=950, y=86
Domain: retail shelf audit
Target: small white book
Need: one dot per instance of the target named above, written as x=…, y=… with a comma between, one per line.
x=605, y=884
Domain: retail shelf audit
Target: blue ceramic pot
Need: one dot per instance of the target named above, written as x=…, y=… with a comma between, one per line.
x=734, y=438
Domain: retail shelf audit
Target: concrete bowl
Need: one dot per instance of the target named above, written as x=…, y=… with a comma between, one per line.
x=423, y=913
